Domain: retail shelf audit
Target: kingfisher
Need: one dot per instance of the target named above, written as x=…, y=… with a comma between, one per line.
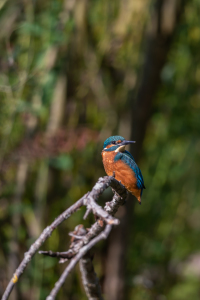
x=118, y=161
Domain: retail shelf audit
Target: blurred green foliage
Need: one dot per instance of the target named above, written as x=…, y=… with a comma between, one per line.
x=166, y=229
x=89, y=53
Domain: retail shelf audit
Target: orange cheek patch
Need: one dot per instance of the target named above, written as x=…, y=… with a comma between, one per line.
x=109, y=146
x=117, y=142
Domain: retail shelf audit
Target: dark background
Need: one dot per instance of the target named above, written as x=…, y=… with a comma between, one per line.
x=72, y=73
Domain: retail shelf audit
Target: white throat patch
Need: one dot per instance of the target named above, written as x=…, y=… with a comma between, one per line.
x=120, y=149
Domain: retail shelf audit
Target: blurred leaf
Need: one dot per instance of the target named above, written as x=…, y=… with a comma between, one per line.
x=62, y=162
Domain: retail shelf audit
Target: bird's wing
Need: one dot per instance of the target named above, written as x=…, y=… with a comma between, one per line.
x=128, y=159
x=129, y=154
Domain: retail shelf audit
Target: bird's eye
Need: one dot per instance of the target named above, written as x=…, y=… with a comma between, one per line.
x=116, y=142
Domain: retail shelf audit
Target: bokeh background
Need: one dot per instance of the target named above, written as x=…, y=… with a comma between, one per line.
x=72, y=73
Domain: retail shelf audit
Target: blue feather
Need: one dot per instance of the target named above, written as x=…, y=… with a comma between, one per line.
x=129, y=154
x=111, y=139
x=128, y=159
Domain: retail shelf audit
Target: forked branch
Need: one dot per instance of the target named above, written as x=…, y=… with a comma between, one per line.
x=98, y=231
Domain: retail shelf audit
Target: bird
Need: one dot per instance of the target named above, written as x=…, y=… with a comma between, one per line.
x=119, y=162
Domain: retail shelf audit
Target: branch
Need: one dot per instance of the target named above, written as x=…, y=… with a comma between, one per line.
x=89, y=278
x=111, y=208
x=103, y=235
x=98, y=211
x=42, y=238
x=95, y=233
x=65, y=255
x=100, y=186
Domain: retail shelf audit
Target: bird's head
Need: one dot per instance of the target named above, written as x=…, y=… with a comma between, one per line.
x=116, y=143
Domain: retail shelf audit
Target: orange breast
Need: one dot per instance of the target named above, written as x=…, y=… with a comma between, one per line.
x=123, y=173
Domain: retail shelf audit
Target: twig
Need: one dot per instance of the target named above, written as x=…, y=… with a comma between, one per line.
x=76, y=249
x=111, y=208
x=93, y=196
x=89, y=278
x=99, y=211
x=73, y=262
x=88, y=211
x=42, y=238
x=100, y=186
x=50, y=253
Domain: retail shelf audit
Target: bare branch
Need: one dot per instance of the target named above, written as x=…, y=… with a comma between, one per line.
x=98, y=227
x=111, y=208
x=42, y=238
x=88, y=211
x=103, y=235
x=50, y=253
x=98, y=210
x=77, y=247
x=89, y=278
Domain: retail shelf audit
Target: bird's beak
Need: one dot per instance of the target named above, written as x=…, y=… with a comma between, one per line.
x=123, y=144
x=127, y=142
